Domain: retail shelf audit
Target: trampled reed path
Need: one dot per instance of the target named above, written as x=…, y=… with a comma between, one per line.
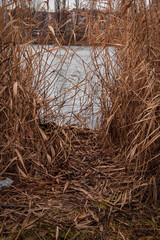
x=71, y=181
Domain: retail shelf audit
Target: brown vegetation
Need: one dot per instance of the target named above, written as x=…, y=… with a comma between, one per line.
x=70, y=178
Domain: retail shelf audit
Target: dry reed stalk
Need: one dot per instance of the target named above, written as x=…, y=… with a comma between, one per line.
x=122, y=155
x=132, y=121
x=28, y=76
x=21, y=93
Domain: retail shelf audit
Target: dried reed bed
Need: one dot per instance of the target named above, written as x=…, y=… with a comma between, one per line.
x=25, y=148
x=74, y=177
x=132, y=120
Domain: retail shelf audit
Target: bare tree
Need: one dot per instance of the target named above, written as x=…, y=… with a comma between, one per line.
x=57, y=5
x=34, y=4
x=60, y=5
x=93, y=4
x=64, y=3
x=77, y=3
x=47, y=2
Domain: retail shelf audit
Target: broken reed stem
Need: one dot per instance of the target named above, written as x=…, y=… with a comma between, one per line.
x=125, y=45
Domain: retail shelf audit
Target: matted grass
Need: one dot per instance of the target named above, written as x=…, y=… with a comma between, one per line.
x=72, y=182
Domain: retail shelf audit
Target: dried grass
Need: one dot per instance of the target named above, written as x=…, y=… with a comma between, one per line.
x=133, y=120
x=90, y=176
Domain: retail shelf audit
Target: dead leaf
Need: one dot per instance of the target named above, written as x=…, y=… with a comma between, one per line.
x=66, y=186
x=124, y=199
x=21, y=172
x=45, y=138
x=15, y=89
x=57, y=180
x=49, y=158
x=21, y=159
x=57, y=232
x=53, y=151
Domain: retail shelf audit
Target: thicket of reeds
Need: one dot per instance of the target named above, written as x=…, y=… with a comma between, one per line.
x=133, y=86
x=36, y=140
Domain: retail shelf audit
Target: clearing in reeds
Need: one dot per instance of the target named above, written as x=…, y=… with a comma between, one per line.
x=72, y=181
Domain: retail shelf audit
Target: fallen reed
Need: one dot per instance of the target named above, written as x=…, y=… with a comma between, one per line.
x=98, y=174
x=132, y=120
